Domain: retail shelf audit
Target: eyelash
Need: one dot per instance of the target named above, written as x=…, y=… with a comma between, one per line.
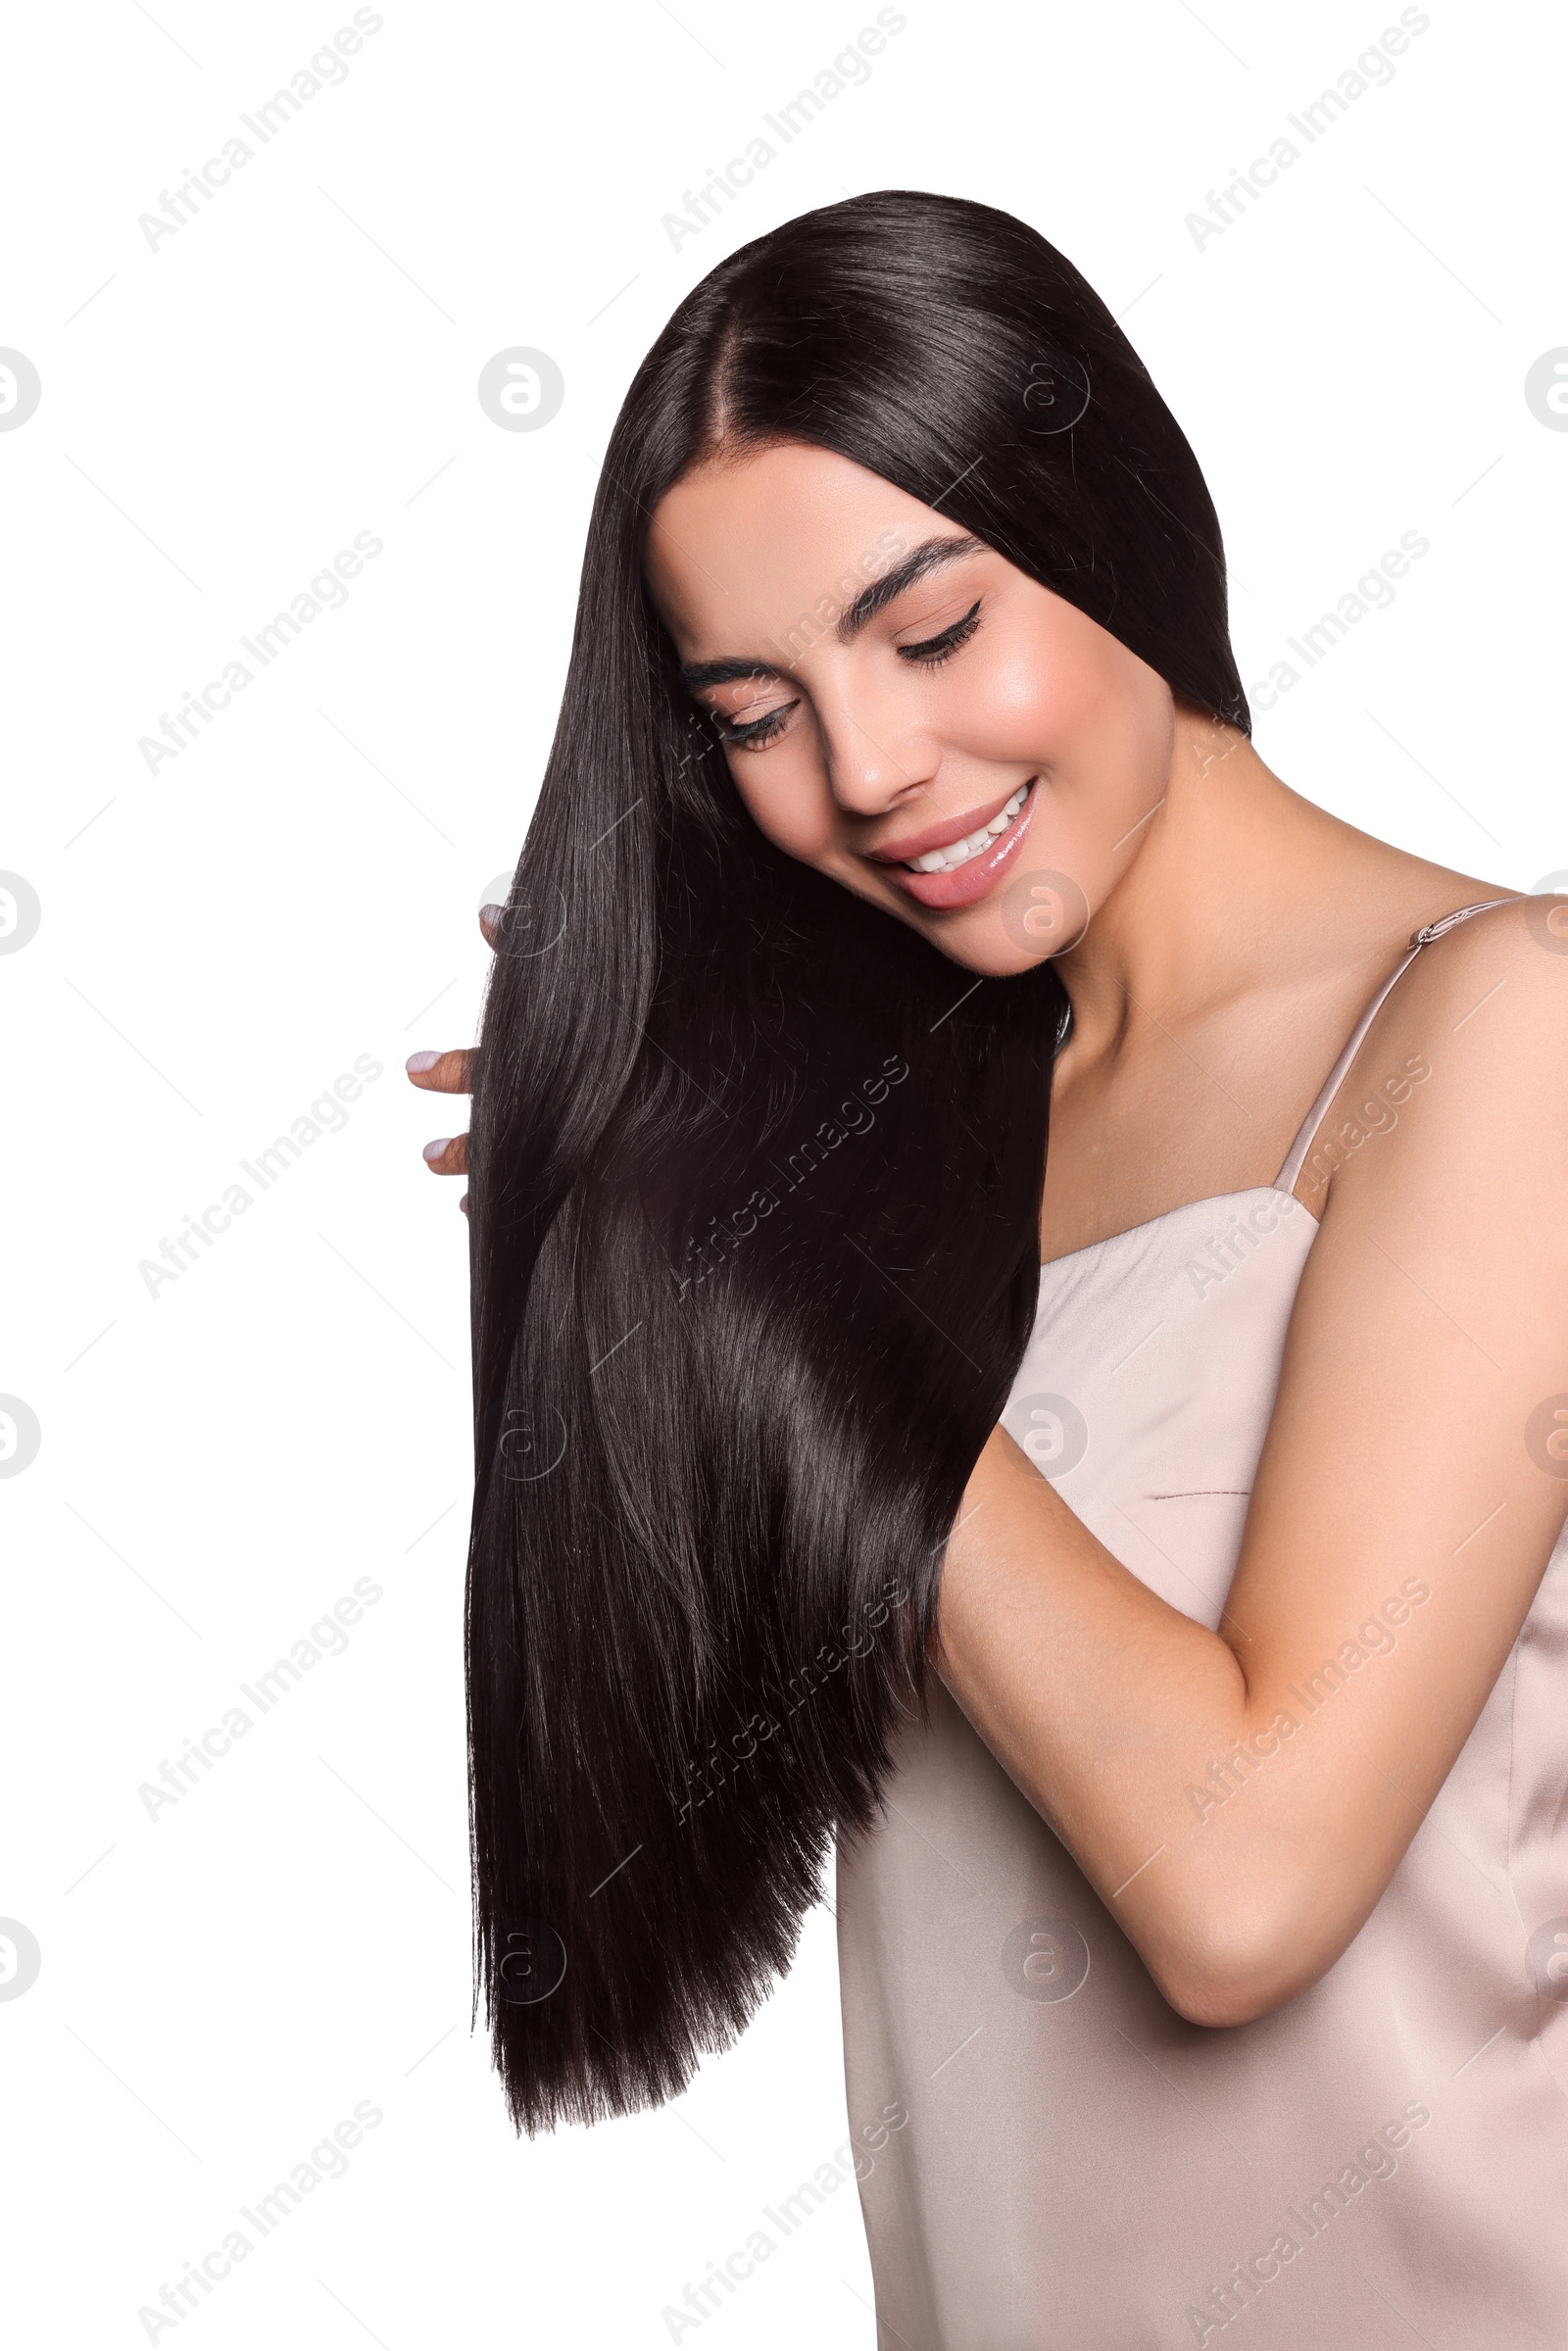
x=756, y=733
x=939, y=649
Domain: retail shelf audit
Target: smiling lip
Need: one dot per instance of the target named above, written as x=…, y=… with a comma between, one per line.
x=962, y=884
x=940, y=836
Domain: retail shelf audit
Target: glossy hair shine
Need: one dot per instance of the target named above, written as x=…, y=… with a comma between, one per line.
x=756, y=1171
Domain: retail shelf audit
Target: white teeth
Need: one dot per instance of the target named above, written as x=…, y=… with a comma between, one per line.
x=959, y=852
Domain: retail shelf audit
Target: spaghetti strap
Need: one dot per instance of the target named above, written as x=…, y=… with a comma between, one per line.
x=1295, y=1159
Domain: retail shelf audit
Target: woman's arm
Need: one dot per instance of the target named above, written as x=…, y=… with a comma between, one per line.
x=1240, y=1836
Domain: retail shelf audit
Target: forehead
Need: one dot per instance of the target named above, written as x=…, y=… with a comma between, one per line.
x=748, y=545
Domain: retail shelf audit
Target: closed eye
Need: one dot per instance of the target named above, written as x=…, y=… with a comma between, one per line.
x=753, y=733
x=931, y=652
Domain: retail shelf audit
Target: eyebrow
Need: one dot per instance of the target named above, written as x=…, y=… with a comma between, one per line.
x=932, y=555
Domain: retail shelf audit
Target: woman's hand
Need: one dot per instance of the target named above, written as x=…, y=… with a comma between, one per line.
x=450, y=1073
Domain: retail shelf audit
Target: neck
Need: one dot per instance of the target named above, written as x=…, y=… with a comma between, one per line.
x=1234, y=880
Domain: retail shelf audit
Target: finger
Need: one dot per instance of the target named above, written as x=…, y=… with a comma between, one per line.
x=442, y=1074
x=491, y=917
x=448, y=1154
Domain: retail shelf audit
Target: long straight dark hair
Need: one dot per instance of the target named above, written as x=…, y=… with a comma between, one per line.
x=756, y=1173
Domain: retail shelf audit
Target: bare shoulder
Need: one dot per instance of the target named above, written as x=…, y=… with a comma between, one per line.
x=1512, y=956
x=1465, y=1063
x=1458, y=1093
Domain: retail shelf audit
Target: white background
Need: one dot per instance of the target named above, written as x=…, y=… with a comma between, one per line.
x=221, y=1983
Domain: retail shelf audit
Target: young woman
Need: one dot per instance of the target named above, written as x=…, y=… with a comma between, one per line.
x=1141, y=1558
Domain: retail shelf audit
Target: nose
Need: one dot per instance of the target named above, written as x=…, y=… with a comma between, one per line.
x=875, y=757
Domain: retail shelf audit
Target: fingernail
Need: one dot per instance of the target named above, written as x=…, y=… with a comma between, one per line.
x=492, y=915
x=418, y=1063
x=433, y=1151
x=463, y=1203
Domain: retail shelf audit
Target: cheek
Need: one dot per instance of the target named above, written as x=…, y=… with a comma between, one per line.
x=1098, y=723
x=1035, y=702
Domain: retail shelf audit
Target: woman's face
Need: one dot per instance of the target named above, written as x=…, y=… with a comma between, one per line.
x=903, y=709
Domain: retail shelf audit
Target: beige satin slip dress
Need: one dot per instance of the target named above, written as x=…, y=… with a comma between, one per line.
x=1382, y=2163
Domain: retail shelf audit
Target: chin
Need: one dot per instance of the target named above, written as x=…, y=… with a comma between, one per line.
x=983, y=947
x=973, y=937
